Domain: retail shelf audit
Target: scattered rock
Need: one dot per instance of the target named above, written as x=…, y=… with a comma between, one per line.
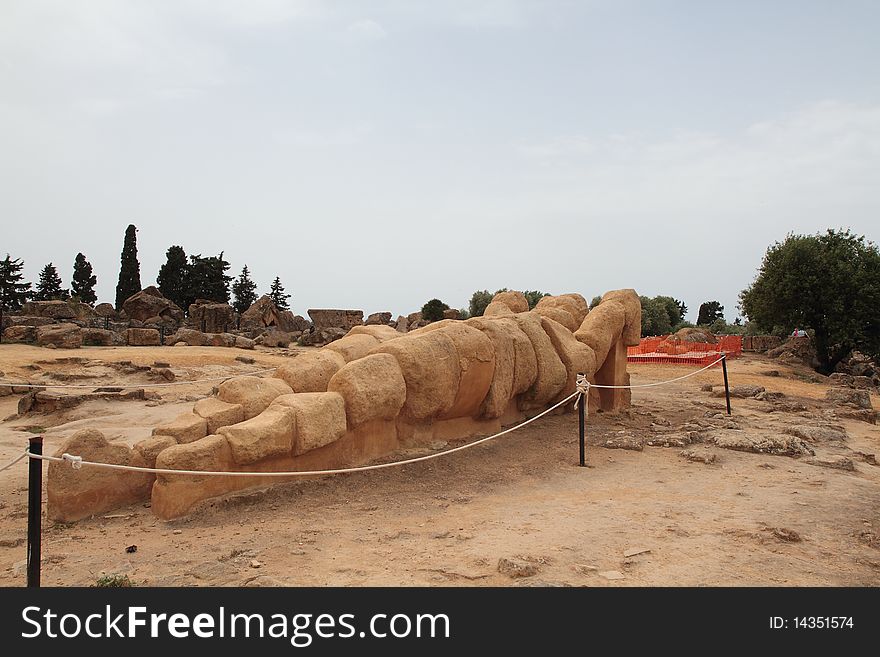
x=698, y=456
x=634, y=443
x=612, y=575
x=378, y=318
x=707, y=387
x=245, y=359
x=131, y=549
x=849, y=397
x=12, y=542
x=256, y=564
x=787, y=535
x=780, y=445
x=834, y=462
x=515, y=568
x=741, y=391
x=817, y=434
x=65, y=336
x=632, y=552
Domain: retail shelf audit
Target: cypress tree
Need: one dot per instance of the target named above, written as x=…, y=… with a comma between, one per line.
x=13, y=292
x=83, y=284
x=173, y=278
x=207, y=279
x=244, y=290
x=49, y=285
x=279, y=298
x=130, y=268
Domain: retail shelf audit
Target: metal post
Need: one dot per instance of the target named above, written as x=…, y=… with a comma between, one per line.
x=582, y=404
x=726, y=385
x=35, y=501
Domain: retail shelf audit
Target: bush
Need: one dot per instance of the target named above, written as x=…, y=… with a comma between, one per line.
x=433, y=310
x=114, y=581
x=479, y=300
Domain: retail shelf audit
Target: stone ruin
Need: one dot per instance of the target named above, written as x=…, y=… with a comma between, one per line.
x=363, y=397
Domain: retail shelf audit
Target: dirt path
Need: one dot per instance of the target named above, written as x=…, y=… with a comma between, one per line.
x=449, y=521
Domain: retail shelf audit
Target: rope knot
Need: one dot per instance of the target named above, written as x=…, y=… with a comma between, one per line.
x=75, y=461
x=583, y=388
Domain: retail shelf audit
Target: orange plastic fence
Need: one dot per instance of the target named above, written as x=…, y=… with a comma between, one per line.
x=665, y=350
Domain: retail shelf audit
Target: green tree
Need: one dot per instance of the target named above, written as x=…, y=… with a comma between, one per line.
x=49, y=286
x=655, y=318
x=173, y=278
x=433, y=310
x=129, y=269
x=206, y=278
x=830, y=283
x=534, y=296
x=674, y=308
x=596, y=301
x=479, y=300
x=83, y=284
x=276, y=293
x=13, y=290
x=244, y=291
x=709, y=312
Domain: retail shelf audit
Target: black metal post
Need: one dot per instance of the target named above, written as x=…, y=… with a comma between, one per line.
x=35, y=501
x=726, y=385
x=582, y=404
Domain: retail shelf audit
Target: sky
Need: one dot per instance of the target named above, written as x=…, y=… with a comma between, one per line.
x=375, y=155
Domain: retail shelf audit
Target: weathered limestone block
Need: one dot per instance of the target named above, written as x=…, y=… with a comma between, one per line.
x=373, y=388
x=628, y=298
x=431, y=369
x=476, y=363
x=326, y=318
x=514, y=300
x=63, y=336
x=151, y=447
x=214, y=317
x=253, y=393
x=551, y=372
x=602, y=328
x=55, y=309
x=500, y=392
x=311, y=372
x=575, y=305
x=613, y=373
x=381, y=333
x=218, y=413
x=320, y=418
x=244, y=343
x=97, y=337
x=142, y=337
x=576, y=356
x=150, y=303
x=192, y=337
x=271, y=433
x=76, y=494
x=352, y=347
x=557, y=314
x=185, y=428
x=19, y=334
x=497, y=308
x=579, y=308
x=378, y=319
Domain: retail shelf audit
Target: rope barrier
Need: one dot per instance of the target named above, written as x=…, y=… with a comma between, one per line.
x=659, y=383
x=15, y=460
x=77, y=461
x=138, y=385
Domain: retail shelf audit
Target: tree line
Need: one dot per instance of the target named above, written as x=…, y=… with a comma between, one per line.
x=182, y=279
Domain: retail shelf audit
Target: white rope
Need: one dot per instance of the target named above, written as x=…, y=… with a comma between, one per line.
x=15, y=460
x=77, y=461
x=659, y=383
x=137, y=385
x=583, y=390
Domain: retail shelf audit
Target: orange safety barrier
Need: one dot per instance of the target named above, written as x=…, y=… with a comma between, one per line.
x=665, y=350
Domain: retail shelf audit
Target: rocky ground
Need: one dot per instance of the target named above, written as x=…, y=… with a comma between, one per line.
x=786, y=491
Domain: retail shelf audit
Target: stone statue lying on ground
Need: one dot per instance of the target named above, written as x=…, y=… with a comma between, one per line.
x=362, y=397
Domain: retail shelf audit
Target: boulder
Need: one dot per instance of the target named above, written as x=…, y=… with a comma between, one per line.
x=142, y=337
x=378, y=318
x=372, y=387
x=514, y=300
x=430, y=366
x=849, y=397
x=326, y=318
x=20, y=334
x=185, y=428
x=151, y=447
x=311, y=371
x=402, y=325
x=320, y=418
x=269, y=434
x=381, y=333
x=65, y=336
x=211, y=317
x=352, y=347
x=262, y=313
x=149, y=303
x=209, y=453
x=451, y=313
x=218, y=413
x=55, y=309
x=242, y=342
x=276, y=338
x=221, y=339
x=106, y=310
x=253, y=393
x=602, y=328
x=552, y=374
x=26, y=320
x=841, y=379
x=97, y=337
x=76, y=494
x=191, y=337
x=319, y=337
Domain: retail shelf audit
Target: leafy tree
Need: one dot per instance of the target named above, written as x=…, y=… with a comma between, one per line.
x=433, y=310
x=206, y=278
x=534, y=296
x=130, y=269
x=674, y=308
x=49, y=286
x=173, y=278
x=83, y=284
x=479, y=300
x=655, y=317
x=13, y=290
x=709, y=312
x=830, y=283
x=596, y=301
x=464, y=313
x=276, y=293
x=244, y=291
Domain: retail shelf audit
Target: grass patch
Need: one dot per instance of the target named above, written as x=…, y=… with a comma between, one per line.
x=114, y=581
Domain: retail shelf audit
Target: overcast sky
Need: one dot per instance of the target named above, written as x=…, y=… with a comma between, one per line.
x=377, y=154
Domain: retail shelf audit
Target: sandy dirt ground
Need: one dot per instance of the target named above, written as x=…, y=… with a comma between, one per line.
x=746, y=519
